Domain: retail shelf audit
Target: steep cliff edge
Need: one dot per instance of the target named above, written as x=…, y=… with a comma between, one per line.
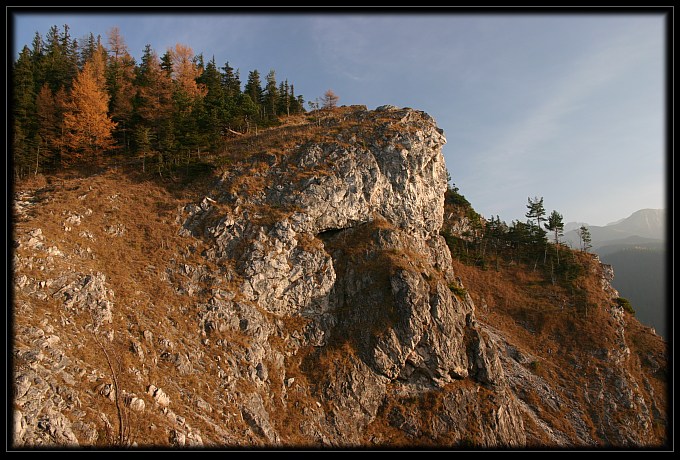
x=303, y=298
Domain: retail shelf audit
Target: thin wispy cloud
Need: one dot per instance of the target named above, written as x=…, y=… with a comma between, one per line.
x=569, y=95
x=550, y=136
x=341, y=45
x=373, y=47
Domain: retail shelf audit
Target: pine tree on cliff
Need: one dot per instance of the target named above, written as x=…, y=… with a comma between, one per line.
x=556, y=225
x=584, y=236
x=536, y=211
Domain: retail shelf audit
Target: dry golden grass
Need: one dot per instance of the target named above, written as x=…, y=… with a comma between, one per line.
x=568, y=338
x=135, y=261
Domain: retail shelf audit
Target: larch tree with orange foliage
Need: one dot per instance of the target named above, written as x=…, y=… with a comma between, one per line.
x=185, y=72
x=330, y=99
x=187, y=96
x=87, y=125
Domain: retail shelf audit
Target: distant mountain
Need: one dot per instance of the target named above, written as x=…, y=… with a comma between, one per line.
x=635, y=247
x=649, y=223
x=643, y=226
x=617, y=221
x=573, y=226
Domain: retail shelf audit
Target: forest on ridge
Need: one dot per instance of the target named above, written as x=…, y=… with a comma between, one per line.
x=73, y=101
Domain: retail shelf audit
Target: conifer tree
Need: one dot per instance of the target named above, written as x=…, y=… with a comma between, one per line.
x=555, y=225
x=153, y=105
x=536, y=212
x=212, y=117
x=166, y=63
x=49, y=116
x=185, y=72
x=284, y=98
x=584, y=236
x=248, y=112
x=253, y=89
x=38, y=61
x=23, y=111
x=232, y=93
x=89, y=48
x=330, y=99
x=87, y=126
x=143, y=141
x=270, y=97
x=60, y=59
x=187, y=97
x=231, y=81
x=120, y=74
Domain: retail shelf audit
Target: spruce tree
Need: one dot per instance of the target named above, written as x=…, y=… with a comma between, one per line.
x=231, y=81
x=213, y=116
x=60, y=59
x=253, y=89
x=120, y=75
x=24, y=117
x=153, y=105
x=270, y=97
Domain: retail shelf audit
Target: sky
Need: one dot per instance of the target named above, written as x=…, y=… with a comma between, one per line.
x=568, y=106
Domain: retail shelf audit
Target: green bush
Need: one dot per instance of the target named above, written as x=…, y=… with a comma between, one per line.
x=625, y=304
x=457, y=290
x=535, y=366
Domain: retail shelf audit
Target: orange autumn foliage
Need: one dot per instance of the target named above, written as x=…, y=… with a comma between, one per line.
x=185, y=72
x=87, y=126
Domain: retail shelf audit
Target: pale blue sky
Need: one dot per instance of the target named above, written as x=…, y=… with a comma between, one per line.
x=570, y=107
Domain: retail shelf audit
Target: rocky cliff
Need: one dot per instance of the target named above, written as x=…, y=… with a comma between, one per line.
x=303, y=298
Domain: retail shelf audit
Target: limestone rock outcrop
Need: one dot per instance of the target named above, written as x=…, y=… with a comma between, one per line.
x=349, y=240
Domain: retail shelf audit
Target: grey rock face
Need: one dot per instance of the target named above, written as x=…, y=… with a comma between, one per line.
x=89, y=294
x=353, y=246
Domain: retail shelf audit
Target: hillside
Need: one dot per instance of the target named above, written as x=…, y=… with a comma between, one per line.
x=636, y=248
x=295, y=291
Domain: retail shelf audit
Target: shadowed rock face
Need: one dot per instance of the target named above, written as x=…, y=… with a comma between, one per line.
x=321, y=310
